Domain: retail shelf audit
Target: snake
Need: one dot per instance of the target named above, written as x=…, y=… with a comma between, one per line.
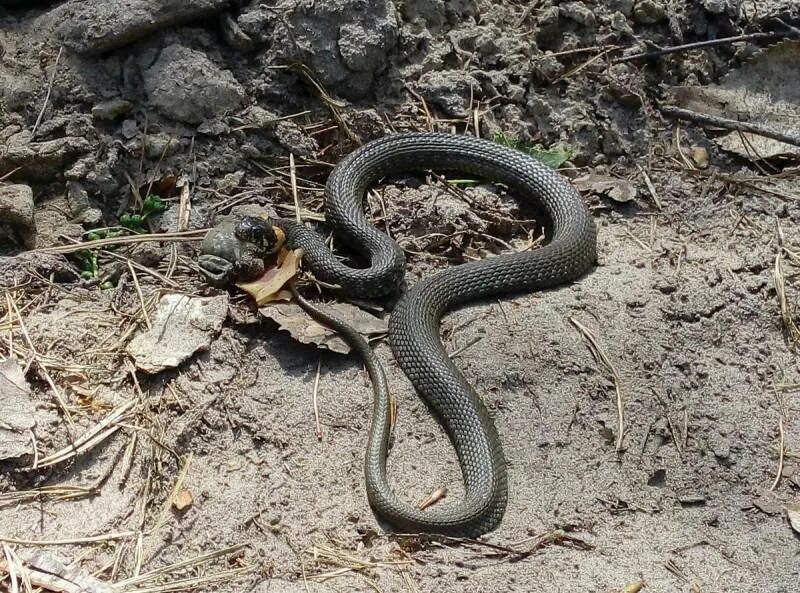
x=568, y=252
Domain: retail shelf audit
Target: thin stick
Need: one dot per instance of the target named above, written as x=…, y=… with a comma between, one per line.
x=176, y=487
x=194, y=235
x=140, y=295
x=728, y=124
x=318, y=429
x=9, y=174
x=11, y=566
x=469, y=344
x=102, y=430
x=47, y=95
x=293, y=178
x=781, y=453
x=77, y=541
x=650, y=187
x=648, y=55
x=43, y=368
x=601, y=356
x=178, y=566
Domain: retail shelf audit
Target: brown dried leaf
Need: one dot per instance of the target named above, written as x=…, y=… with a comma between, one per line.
x=619, y=190
x=304, y=329
x=269, y=287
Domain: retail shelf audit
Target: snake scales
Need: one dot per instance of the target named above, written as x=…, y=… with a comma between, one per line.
x=414, y=324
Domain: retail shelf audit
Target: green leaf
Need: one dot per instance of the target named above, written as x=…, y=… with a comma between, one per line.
x=153, y=205
x=552, y=158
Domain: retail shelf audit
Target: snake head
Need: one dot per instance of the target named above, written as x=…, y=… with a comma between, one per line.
x=258, y=232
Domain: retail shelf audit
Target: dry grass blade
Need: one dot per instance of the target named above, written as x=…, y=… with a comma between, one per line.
x=190, y=583
x=317, y=424
x=54, y=493
x=346, y=562
x=11, y=568
x=47, y=94
x=162, y=516
x=601, y=357
x=783, y=302
x=194, y=235
x=75, y=541
x=173, y=568
x=62, y=404
x=97, y=434
x=781, y=453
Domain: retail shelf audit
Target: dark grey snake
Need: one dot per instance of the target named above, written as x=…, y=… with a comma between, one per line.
x=414, y=324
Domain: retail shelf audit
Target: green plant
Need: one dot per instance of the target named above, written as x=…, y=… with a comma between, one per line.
x=136, y=222
x=553, y=157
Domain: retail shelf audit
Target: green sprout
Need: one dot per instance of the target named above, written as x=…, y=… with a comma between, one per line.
x=136, y=222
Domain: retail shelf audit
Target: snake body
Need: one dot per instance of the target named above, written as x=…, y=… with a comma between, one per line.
x=414, y=323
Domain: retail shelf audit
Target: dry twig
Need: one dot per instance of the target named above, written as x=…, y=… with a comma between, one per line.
x=601, y=357
x=728, y=124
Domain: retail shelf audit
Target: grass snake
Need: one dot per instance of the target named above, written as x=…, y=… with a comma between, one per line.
x=569, y=252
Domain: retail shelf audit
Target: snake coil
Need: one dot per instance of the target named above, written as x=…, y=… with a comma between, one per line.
x=570, y=251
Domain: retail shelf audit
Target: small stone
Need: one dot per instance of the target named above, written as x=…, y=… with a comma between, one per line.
x=16, y=214
x=110, y=110
x=186, y=86
x=720, y=445
x=665, y=287
x=700, y=156
x=649, y=12
x=620, y=24
x=129, y=129
x=183, y=500
x=156, y=145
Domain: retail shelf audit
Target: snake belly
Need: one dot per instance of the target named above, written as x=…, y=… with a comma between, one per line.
x=414, y=337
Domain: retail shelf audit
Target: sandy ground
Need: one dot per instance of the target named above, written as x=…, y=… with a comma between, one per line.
x=220, y=453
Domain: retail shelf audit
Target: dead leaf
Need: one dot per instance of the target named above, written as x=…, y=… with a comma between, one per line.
x=619, y=190
x=793, y=513
x=180, y=326
x=183, y=500
x=758, y=92
x=269, y=287
x=304, y=329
